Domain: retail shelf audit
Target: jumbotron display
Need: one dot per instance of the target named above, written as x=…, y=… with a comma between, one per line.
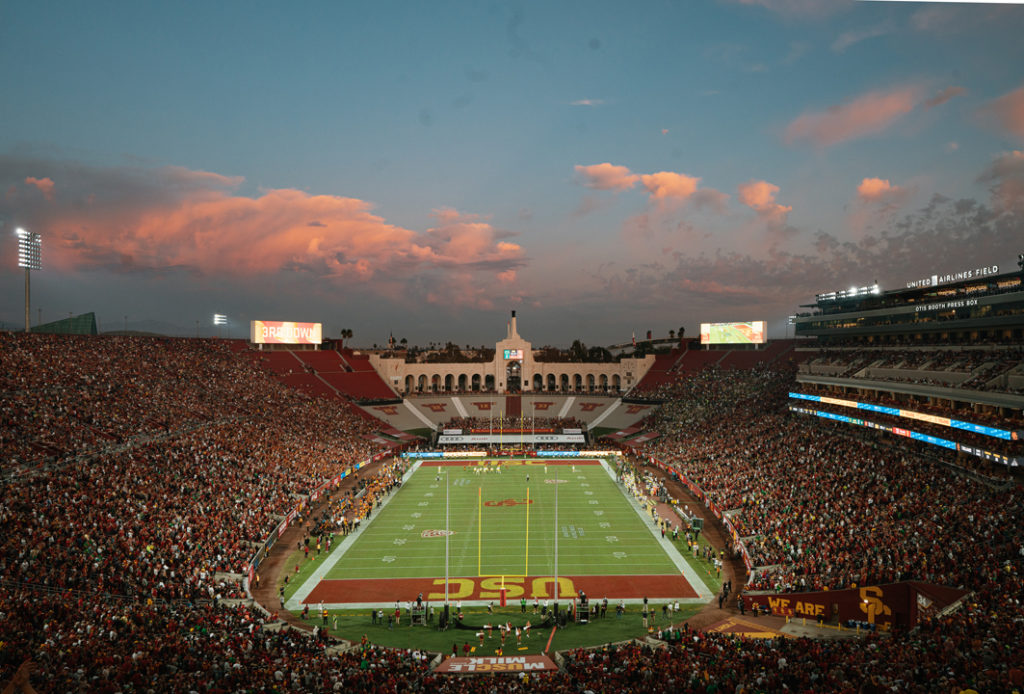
x=749, y=333
x=272, y=332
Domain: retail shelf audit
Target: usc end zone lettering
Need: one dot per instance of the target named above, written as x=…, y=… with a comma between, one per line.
x=435, y=406
x=590, y=406
x=489, y=588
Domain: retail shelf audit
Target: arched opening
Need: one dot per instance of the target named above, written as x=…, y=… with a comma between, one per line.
x=462, y=383
x=476, y=383
x=435, y=383
x=538, y=382
x=590, y=383
x=489, y=382
x=421, y=384
x=410, y=383
x=603, y=382
x=577, y=383
x=552, y=382
x=448, y=381
x=617, y=382
x=513, y=376
x=565, y=383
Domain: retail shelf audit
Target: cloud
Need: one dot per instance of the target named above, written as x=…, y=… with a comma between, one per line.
x=855, y=36
x=587, y=102
x=606, y=176
x=879, y=190
x=45, y=185
x=724, y=285
x=1006, y=176
x=760, y=197
x=712, y=199
x=669, y=185
x=944, y=96
x=1007, y=112
x=934, y=19
x=866, y=115
x=133, y=219
x=588, y=204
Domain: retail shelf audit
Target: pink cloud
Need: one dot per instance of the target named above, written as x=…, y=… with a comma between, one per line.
x=760, y=197
x=117, y=219
x=1007, y=112
x=669, y=185
x=874, y=189
x=944, y=96
x=45, y=185
x=606, y=176
x=867, y=114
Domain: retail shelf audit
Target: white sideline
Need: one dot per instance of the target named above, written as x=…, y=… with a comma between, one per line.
x=703, y=592
x=298, y=598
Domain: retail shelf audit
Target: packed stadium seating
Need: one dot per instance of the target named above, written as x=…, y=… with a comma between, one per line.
x=333, y=374
x=998, y=369
x=137, y=469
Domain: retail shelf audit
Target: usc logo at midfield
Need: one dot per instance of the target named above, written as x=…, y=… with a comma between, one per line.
x=508, y=502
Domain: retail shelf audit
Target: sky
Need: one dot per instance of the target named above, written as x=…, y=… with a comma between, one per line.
x=420, y=169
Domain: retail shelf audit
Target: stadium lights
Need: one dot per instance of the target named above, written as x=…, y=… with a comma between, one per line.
x=851, y=293
x=220, y=319
x=30, y=246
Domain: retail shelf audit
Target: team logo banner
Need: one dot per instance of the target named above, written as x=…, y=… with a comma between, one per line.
x=273, y=332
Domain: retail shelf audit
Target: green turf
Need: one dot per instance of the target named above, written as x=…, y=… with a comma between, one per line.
x=584, y=549
x=599, y=532
x=353, y=624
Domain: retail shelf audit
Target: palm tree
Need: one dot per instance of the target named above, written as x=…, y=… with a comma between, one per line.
x=403, y=342
x=346, y=334
x=671, y=334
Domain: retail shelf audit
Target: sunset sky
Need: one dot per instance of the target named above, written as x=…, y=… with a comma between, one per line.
x=420, y=168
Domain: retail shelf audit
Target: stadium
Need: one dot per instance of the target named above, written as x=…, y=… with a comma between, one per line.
x=839, y=511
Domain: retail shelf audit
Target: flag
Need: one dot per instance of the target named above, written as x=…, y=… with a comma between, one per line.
x=634, y=338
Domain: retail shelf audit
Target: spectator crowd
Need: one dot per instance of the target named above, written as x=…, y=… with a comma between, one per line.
x=139, y=474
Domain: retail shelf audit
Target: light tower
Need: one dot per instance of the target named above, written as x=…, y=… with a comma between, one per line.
x=30, y=258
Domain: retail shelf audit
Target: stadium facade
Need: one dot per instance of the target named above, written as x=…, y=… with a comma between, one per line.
x=513, y=369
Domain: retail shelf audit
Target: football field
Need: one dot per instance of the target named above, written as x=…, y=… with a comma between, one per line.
x=496, y=525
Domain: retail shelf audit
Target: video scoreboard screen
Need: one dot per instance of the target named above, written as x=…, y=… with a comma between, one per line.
x=749, y=333
x=274, y=332
x=513, y=354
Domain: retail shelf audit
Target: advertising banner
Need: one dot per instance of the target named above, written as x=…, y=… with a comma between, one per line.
x=868, y=607
x=516, y=663
x=509, y=439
